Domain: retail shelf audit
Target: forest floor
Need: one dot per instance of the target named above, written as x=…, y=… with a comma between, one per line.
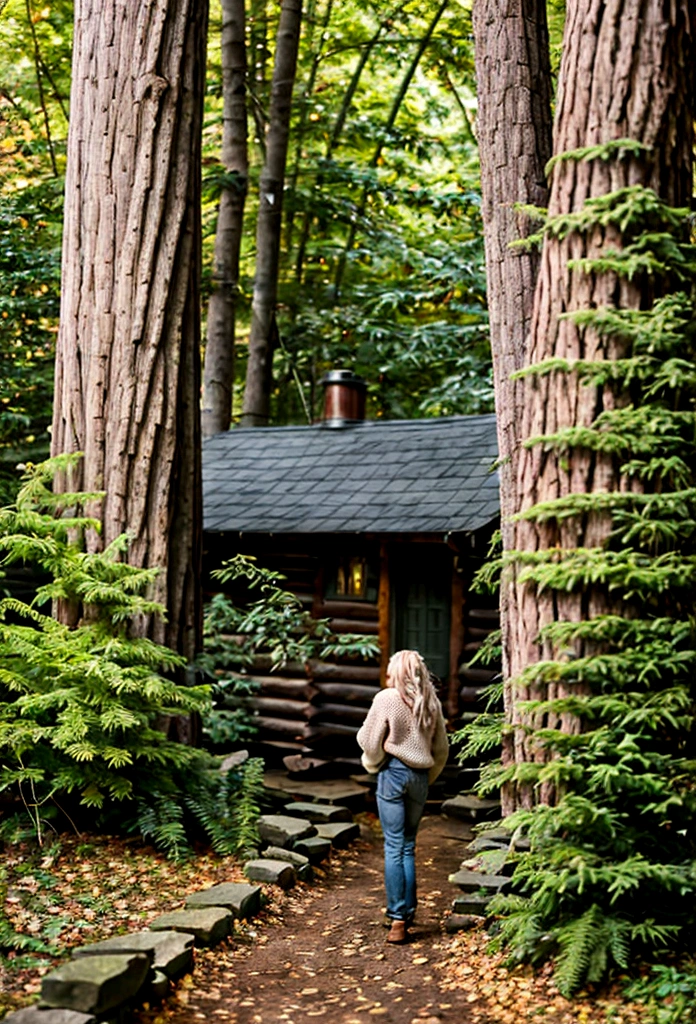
x=320, y=952
x=316, y=951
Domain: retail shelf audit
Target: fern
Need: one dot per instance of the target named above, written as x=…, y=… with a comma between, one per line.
x=79, y=708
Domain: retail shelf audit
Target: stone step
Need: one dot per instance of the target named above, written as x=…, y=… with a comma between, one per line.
x=207, y=925
x=95, y=984
x=318, y=813
x=242, y=899
x=470, y=808
x=35, y=1015
x=341, y=834
x=474, y=881
x=470, y=904
x=299, y=861
x=332, y=791
x=490, y=862
x=482, y=843
x=461, y=922
x=275, y=872
x=169, y=952
x=315, y=848
x=284, y=830
x=158, y=986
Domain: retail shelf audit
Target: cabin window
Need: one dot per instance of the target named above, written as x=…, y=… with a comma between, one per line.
x=353, y=579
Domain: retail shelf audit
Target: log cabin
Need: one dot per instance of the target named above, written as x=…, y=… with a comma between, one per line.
x=378, y=526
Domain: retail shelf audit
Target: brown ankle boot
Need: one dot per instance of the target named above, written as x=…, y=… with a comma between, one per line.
x=397, y=933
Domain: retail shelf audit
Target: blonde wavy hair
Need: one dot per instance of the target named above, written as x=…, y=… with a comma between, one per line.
x=410, y=677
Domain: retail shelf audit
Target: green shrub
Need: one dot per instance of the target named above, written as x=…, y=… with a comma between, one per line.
x=80, y=707
x=669, y=992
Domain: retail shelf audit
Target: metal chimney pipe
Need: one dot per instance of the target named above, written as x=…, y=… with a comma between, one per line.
x=344, y=399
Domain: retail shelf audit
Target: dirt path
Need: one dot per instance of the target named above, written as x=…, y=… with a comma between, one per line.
x=320, y=951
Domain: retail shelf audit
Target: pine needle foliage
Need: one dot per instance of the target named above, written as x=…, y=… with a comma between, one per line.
x=611, y=871
x=80, y=707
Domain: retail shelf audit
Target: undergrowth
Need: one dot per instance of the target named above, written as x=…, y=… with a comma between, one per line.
x=80, y=708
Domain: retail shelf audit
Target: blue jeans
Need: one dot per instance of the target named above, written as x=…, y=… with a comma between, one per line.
x=401, y=796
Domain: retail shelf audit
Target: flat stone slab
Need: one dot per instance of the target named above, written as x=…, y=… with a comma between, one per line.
x=318, y=813
x=315, y=848
x=284, y=830
x=470, y=904
x=340, y=833
x=305, y=873
x=461, y=922
x=95, y=984
x=169, y=952
x=298, y=860
x=470, y=808
x=490, y=862
x=473, y=881
x=158, y=985
x=482, y=843
x=33, y=1015
x=329, y=791
x=274, y=872
x=242, y=899
x=208, y=925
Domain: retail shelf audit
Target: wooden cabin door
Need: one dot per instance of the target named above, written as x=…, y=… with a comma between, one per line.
x=421, y=609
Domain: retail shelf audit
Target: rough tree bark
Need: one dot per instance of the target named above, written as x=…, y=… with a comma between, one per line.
x=514, y=121
x=127, y=366
x=626, y=72
x=218, y=375
x=256, y=406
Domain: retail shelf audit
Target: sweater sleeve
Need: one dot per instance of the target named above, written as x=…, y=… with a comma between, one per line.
x=440, y=749
x=371, y=736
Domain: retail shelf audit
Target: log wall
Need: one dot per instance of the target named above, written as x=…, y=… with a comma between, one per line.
x=316, y=709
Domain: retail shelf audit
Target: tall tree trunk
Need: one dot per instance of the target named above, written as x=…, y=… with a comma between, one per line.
x=514, y=132
x=626, y=73
x=128, y=352
x=218, y=376
x=269, y=225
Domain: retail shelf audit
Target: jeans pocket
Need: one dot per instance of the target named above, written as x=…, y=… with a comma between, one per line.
x=391, y=783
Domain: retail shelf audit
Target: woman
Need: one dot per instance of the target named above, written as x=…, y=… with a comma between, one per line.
x=403, y=738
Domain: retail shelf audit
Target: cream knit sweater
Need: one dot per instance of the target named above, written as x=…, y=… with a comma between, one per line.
x=390, y=729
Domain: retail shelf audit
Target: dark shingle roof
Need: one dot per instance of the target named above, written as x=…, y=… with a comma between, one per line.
x=394, y=476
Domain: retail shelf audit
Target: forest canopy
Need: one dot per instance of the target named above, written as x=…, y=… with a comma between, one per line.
x=381, y=264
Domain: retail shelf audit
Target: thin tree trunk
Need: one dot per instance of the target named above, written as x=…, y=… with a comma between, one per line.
x=218, y=376
x=514, y=132
x=38, y=63
x=269, y=224
x=337, y=130
x=318, y=52
x=391, y=121
x=258, y=64
x=627, y=72
x=127, y=368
